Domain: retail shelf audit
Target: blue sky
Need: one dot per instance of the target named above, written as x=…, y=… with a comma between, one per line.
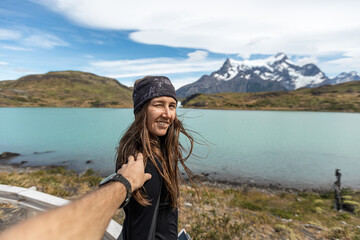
x=183, y=40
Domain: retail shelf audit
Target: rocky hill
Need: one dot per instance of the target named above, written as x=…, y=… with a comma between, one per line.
x=343, y=97
x=64, y=89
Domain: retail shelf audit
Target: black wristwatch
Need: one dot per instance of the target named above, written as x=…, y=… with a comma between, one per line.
x=120, y=178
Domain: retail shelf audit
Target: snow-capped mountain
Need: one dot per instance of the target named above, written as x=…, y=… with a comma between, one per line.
x=276, y=68
x=344, y=77
x=276, y=73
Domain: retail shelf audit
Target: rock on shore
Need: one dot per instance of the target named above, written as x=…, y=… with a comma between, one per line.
x=8, y=155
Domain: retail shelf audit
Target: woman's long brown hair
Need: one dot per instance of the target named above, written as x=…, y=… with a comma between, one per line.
x=168, y=151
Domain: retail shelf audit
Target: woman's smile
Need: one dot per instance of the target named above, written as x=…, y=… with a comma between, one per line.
x=163, y=123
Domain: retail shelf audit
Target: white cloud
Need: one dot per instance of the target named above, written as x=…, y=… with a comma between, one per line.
x=198, y=55
x=44, y=41
x=29, y=37
x=6, y=34
x=3, y=63
x=178, y=82
x=350, y=62
x=230, y=26
x=196, y=62
x=15, y=48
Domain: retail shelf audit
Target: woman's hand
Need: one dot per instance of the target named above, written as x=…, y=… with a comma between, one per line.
x=134, y=170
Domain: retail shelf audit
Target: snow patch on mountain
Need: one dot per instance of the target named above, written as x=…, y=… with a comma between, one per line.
x=300, y=80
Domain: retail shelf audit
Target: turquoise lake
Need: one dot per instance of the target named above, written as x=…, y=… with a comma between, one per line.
x=299, y=149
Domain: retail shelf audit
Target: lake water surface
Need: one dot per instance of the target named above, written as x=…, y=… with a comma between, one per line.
x=292, y=148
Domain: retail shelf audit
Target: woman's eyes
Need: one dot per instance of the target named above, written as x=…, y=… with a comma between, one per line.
x=162, y=105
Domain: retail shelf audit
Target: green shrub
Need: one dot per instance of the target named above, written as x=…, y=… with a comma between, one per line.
x=287, y=214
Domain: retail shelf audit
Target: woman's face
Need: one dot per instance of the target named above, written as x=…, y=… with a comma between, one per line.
x=160, y=114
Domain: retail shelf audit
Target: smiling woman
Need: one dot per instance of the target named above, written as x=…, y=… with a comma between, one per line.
x=152, y=211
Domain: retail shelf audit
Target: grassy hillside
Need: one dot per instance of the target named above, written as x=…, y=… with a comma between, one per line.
x=342, y=97
x=64, y=89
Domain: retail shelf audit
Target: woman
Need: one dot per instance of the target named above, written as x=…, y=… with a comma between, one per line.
x=152, y=211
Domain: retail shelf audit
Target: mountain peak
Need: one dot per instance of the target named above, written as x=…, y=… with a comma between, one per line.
x=281, y=57
x=232, y=63
x=227, y=63
x=228, y=70
x=276, y=59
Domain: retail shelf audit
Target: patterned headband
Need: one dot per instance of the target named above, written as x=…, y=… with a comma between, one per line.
x=152, y=87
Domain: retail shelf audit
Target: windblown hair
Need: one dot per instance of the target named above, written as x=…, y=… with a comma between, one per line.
x=167, y=150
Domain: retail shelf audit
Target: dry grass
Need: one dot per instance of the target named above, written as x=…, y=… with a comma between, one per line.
x=227, y=212
x=253, y=214
x=55, y=181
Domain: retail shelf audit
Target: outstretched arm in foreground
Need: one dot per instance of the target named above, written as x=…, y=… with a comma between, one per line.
x=85, y=218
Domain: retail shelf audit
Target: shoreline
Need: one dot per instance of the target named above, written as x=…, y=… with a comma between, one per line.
x=264, y=187
x=207, y=180
x=17, y=167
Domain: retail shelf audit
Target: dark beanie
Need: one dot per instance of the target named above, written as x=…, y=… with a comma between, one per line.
x=151, y=87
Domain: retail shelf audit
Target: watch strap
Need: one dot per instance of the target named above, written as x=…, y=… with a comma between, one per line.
x=123, y=180
x=127, y=185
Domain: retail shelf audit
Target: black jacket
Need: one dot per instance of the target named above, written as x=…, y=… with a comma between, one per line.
x=138, y=219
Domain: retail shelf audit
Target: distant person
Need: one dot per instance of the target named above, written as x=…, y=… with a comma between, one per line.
x=337, y=189
x=87, y=217
x=152, y=211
